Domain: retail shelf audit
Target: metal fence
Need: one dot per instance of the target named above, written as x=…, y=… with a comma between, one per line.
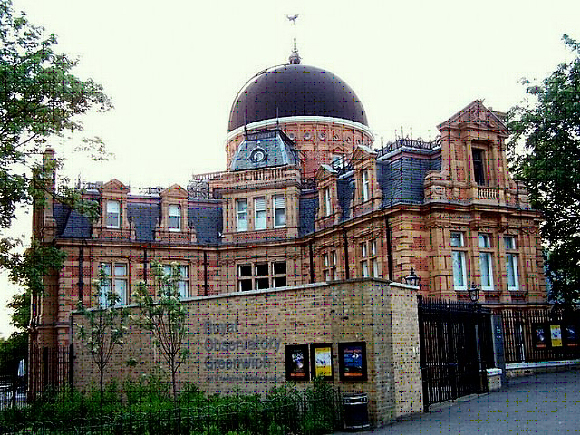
x=293, y=414
x=456, y=349
x=543, y=333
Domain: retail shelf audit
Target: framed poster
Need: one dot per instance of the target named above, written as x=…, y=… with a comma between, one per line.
x=540, y=336
x=297, y=367
x=556, y=335
x=570, y=335
x=352, y=358
x=321, y=355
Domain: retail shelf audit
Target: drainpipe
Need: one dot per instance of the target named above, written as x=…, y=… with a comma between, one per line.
x=205, y=280
x=145, y=260
x=345, y=244
x=389, y=232
x=311, y=255
x=81, y=282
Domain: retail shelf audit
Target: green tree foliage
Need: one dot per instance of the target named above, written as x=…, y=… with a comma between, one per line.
x=549, y=164
x=40, y=98
x=165, y=317
x=104, y=324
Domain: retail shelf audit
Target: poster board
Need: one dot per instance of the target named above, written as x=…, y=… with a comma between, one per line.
x=297, y=363
x=321, y=355
x=540, y=335
x=570, y=335
x=352, y=358
x=556, y=335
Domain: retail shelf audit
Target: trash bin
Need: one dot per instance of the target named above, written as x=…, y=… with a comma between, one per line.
x=356, y=411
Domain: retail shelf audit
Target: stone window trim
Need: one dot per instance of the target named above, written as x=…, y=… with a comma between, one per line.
x=458, y=260
x=117, y=276
x=261, y=275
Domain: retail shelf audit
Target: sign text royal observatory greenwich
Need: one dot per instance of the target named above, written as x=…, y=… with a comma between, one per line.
x=234, y=359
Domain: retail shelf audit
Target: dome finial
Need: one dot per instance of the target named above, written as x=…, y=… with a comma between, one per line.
x=294, y=57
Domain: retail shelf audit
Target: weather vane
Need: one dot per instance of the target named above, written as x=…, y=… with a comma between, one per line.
x=294, y=57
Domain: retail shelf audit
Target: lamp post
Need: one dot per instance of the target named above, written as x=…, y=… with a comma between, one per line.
x=412, y=279
x=473, y=293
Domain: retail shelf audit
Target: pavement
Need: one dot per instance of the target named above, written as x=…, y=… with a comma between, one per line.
x=547, y=403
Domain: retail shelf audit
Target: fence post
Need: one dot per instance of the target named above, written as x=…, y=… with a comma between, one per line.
x=498, y=345
x=44, y=368
x=70, y=365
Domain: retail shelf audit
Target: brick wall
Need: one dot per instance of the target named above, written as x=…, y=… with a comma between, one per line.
x=237, y=341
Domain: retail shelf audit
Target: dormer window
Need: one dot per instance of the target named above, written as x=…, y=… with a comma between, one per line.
x=478, y=167
x=113, y=214
x=174, y=215
x=366, y=186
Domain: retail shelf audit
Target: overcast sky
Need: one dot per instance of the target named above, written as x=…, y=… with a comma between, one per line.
x=173, y=69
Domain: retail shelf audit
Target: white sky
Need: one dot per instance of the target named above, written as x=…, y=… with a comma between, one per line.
x=173, y=69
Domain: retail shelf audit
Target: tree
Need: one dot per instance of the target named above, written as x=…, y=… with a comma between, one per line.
x=549, y=164
x=104, y=325
x=40, y=98
x=165, y=317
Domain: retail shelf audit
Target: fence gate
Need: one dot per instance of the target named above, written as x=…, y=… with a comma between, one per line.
x=456, y=348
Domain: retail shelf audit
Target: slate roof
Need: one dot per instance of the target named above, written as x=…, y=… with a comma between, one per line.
x=399, y=175
x=402, y=179
x=275, y=148
x=307, y=214
x=144, y=217
x=207, y=221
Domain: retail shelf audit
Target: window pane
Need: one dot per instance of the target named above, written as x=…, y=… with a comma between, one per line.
x=106, y=268
x=280, y=268
x=458, y=267
x=245, y=285
x=325, y=260
x=260, y=223
x=510, y=242
x=120, y=270
x=183, y=271
x=241, y=205
x=456, y=240
x=174, y=217
x=121, y=290
x=183, y=290
x=512, y=271
x=262, y=283
x=375, y=264
x=485, y=269
x=280, y=217
x=280, y=281
x=113, y=214
x=262, y=269
x=245, y=270
x=484, y=241
x=365, y=269
x=363, y=248
x=374, y=248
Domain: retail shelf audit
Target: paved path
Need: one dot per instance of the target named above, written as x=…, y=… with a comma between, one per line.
x=541, y=404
